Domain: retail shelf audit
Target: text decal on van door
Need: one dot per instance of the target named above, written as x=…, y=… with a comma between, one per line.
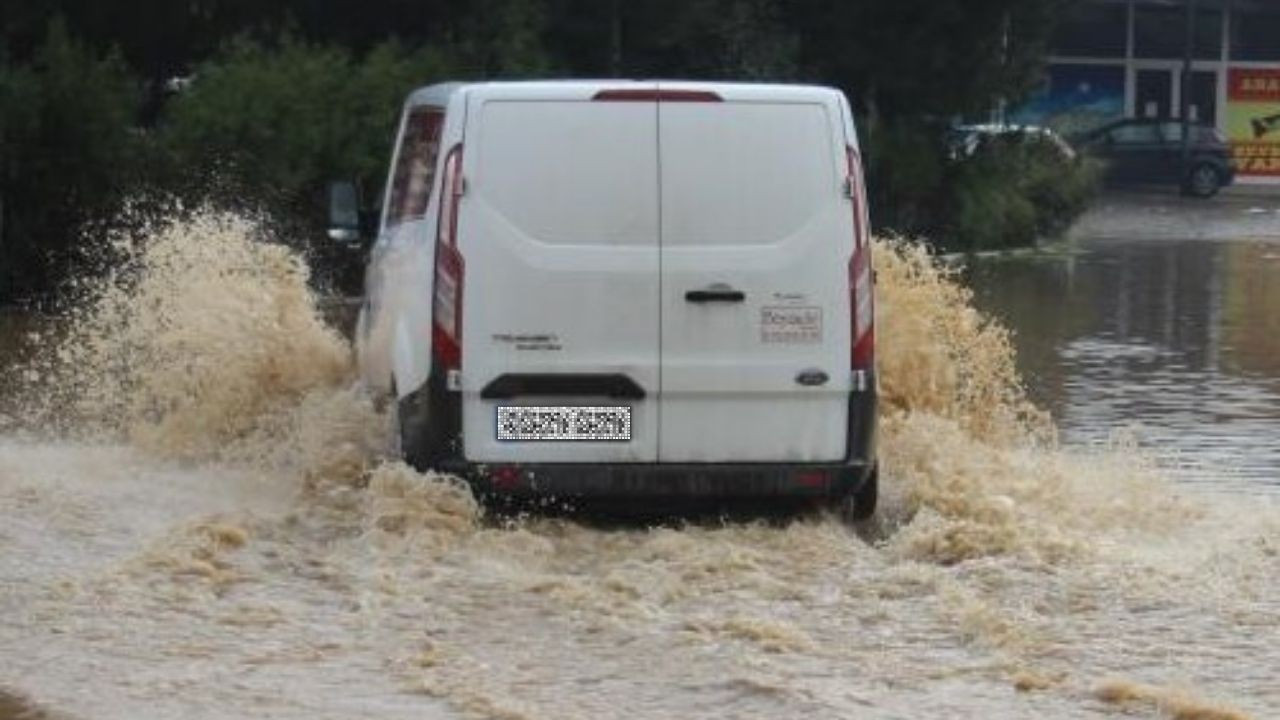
x=792, y=325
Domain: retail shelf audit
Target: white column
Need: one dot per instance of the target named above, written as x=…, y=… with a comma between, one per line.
x=1130, y=73
x=1175, y=104
x=1223, y=69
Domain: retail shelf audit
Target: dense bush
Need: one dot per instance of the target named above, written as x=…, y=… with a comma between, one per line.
x=68, y=152
x=1013, y=191
x=905, y=175
x=276, y=123
x=1010, y=192
x=264, y=128
x=1059, y=189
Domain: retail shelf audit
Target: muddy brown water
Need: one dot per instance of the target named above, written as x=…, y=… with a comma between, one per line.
x=1177, y=342
x=215, y=531
x=13, y=707
x=1174, y=341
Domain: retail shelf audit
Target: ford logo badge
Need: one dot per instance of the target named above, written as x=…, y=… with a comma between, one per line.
x=812, y=377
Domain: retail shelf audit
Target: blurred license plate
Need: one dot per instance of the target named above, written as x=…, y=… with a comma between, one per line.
x=564, y=423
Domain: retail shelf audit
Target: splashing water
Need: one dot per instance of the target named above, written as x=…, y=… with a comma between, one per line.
x=939, y=356
x=213, y=532
x=206, y=335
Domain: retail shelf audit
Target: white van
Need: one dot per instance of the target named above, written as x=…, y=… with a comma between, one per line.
x=628, y=289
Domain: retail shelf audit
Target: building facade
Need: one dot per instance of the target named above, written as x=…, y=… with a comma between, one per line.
x=1124, y=58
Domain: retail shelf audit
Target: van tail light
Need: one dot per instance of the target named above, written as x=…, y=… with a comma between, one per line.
x=864, y=329
x=810, y=479
x=446, y=306
x=863, y=343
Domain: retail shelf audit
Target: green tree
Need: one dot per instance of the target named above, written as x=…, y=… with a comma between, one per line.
x=278, y=122
x=912, y=66
x=68, y=153
x=287, y=95
x=914, y=58
x=732, y=39
x=504, y=38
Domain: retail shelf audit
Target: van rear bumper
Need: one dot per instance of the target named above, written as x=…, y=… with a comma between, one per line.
x=650, y=481
x=676, y=481
x=662, y=480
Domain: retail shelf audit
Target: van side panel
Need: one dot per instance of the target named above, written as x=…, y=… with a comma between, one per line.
x=394, y=332
x=752, y=201
x=558, y=229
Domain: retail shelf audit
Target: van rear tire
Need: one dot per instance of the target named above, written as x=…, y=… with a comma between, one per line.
x=409, y=431
x=859, y=506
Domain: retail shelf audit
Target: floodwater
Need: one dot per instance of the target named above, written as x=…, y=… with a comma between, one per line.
x=1176, y=341
x=197, y=520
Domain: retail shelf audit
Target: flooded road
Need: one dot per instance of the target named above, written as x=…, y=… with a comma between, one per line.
x=1177, y=342
x=198, y=520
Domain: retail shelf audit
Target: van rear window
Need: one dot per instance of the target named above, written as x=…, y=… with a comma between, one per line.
x=415, y=166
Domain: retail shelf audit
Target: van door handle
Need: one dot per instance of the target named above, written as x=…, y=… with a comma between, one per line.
x=715, y=294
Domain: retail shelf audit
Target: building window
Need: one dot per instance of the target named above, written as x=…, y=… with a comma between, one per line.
x=1160, y=32
x=1075, y=98
x=1093, y=30
x=1255, y=31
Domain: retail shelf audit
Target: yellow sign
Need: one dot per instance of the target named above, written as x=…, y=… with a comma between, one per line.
x=1253, y=121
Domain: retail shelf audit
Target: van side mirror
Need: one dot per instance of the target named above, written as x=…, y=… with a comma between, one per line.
x=345, y=225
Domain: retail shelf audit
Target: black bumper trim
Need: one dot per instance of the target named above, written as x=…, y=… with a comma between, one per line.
x=661, y=480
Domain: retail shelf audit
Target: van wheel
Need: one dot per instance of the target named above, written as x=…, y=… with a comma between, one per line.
x=860, y=505
x=1203, y=181
x=409, y=431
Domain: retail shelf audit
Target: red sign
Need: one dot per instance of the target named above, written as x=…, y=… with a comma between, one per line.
x=1253, y=85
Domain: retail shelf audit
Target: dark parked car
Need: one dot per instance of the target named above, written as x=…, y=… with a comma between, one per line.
x=1141, y=151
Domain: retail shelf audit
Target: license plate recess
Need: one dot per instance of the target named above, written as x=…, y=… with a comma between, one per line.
x=573, y=423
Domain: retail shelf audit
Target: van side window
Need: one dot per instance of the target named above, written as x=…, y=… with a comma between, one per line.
x=415, y=166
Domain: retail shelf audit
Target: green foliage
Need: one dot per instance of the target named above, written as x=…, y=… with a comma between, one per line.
x=731, y=39
x=68, y=152
x=503, y=38
x=285, y=96
x=1060, y=192
x=1013, y=191
x=990, y=211
x=926, y=58
x=905, y=173
x=279, y=122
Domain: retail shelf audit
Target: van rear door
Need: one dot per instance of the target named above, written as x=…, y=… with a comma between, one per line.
x=558, y=230
x=756, y=236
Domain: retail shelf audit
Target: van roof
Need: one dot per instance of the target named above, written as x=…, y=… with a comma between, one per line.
x=440, y=93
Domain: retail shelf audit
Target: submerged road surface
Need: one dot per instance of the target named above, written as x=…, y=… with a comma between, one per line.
x=197, y=521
